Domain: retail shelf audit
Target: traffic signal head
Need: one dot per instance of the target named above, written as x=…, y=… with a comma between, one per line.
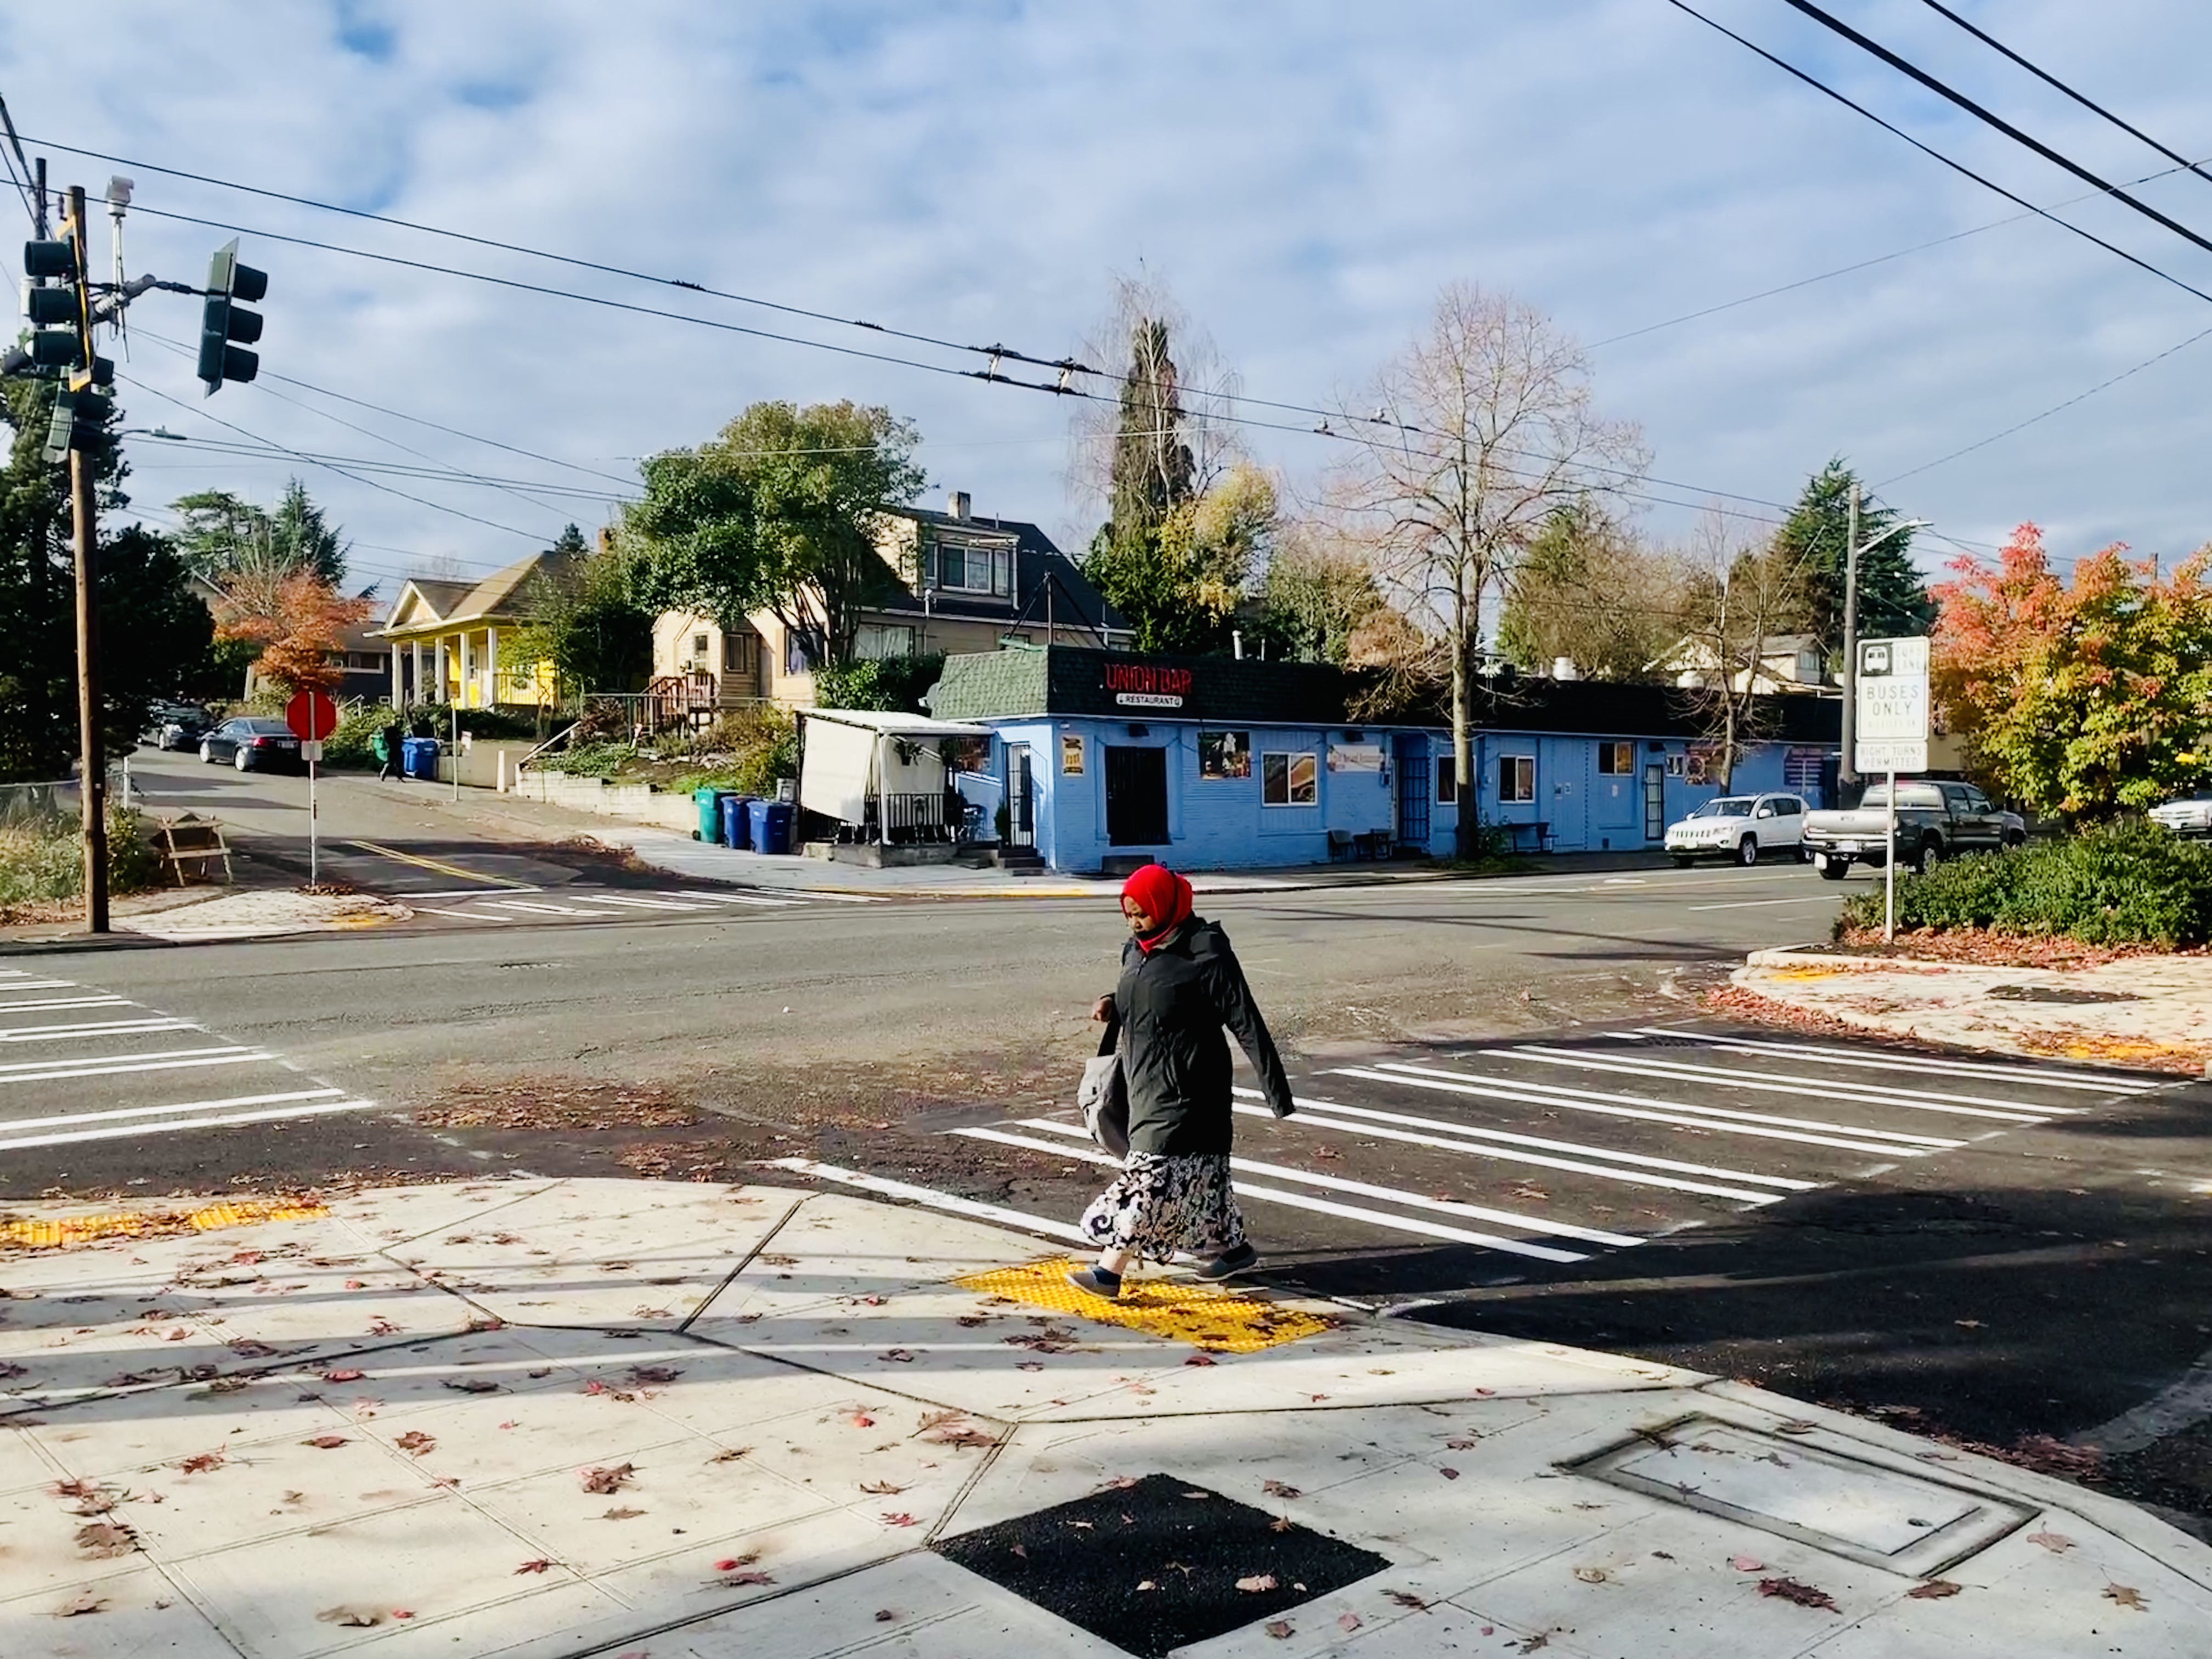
x=79, y=421
x=226, y=327
x=54, y=261
x=46, y=306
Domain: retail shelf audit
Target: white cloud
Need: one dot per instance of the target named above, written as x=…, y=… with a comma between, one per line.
x=1305, y=175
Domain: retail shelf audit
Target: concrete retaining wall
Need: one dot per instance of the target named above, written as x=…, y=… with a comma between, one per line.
x=634, y=803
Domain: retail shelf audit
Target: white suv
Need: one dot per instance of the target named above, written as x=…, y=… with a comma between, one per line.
x=1738, y=827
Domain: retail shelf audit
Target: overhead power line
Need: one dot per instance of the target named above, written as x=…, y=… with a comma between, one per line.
x=2050, y=80
x=1960, y=168
x=1991, y=119
x=995, y=352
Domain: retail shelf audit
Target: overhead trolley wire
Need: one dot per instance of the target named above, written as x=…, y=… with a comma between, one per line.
x=2050, y=80
x=1991, y=119
x=1934, y=154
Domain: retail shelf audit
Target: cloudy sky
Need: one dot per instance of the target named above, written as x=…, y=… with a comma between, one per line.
x=1303, y=175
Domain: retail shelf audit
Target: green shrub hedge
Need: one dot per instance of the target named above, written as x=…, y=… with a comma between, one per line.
x=2127, y=884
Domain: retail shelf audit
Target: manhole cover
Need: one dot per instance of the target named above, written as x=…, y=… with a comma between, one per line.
x=1883, y=1517
x=2056, y=993
x=1154, y=1565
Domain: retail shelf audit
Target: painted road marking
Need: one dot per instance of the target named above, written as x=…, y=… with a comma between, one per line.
x=1300, y=1201
x=2039, y=1077
x=50, y=1071
x=1697, y=1114
x=847, y=898
x=1760, y=904
x=10, y=1126
x=452, y=870
x=545, y=910
x=104, y=1028
x=1876, y=1094
x=632, y=902
x=171, y=1126
x=46, y=1005
x=40, y=985
x=1810, y=1131
x=934, y=1200
x=465, y=915
x=470, y=892
x=742, y=898
x=1466, y=1131
x=1387, y=1195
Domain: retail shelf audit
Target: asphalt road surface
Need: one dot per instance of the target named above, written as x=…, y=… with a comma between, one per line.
x=1513, y=1114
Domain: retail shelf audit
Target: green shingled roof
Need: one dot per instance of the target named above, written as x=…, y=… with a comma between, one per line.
x=984, y=683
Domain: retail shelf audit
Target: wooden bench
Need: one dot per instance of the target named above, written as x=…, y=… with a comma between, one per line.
x=192, y=840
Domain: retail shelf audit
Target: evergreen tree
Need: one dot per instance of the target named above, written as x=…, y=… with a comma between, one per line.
x=1811, y=546
x=222, y=533
x=154, y=631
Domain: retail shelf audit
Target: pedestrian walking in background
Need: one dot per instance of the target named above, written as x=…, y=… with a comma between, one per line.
x=390, y=750
x=1180, y=984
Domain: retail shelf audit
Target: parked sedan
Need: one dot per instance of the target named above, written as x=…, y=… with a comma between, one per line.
x=252, y=745
x=181, y=727
x=2185, y=815
x=1738, y=827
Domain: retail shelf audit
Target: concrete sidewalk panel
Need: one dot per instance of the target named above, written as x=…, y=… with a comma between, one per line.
x=131, y=1615
x=936, y=1611
x=560, y=1257
x=394, y=1215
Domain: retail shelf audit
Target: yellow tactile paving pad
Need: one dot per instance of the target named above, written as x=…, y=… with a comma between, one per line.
x=62, y=1233
x=1216, y=1320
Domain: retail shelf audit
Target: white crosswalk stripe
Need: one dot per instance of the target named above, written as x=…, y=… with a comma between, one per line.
x=604, y=905
x=121, y=1090
x=1495, y=1157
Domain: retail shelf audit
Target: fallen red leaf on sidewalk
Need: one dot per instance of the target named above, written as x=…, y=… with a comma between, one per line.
x=609, y=1480
x=325, y=1442
x=1933, y=1590
x=538, y=1565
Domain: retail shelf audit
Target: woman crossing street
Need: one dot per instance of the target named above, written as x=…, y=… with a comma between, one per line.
x=1180, y=984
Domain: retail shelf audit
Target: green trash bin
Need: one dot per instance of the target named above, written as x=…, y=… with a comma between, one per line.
x=709, y=802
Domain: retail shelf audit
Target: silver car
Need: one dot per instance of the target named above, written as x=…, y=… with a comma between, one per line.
x=2185, y=815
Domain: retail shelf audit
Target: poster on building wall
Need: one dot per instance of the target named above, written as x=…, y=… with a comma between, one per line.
x=1703, y=760
x=1070, y=756
x=1225, y=754
x=1355, y=757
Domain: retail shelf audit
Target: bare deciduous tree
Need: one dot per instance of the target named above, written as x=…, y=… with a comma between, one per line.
x=1167, y=369
x=1472, y=437
x=1738, y=589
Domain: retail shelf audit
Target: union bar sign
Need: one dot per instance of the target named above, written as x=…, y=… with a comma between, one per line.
x=1143, y=685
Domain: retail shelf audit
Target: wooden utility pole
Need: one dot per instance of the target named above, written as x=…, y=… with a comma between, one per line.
x=85, y=528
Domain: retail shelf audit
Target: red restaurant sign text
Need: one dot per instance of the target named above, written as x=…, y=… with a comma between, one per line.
x=1142, y=685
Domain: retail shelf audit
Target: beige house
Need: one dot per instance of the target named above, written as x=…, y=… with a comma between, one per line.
x=963, y=584
x=1787, y=663
x=444, y=638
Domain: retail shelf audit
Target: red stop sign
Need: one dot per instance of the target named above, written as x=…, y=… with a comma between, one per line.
x=311, y=715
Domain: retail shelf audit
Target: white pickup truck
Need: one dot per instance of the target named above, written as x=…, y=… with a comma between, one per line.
x=1935, y=819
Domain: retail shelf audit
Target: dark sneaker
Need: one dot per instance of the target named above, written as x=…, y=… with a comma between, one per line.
x=1098, y=1282
x=1238, y=1260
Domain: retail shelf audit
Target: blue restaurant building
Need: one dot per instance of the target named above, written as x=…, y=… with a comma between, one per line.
x=1110, y=759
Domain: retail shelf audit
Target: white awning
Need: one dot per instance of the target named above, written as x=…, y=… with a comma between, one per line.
x=836, y=770
x=892, y=724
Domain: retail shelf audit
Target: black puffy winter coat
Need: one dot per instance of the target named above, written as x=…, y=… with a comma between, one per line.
x=1172, y=1004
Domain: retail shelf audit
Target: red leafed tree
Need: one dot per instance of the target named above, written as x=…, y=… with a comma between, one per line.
x=2082, y=697
x=297, y=619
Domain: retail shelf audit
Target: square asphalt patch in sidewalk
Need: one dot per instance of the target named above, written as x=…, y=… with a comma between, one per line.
x=1158, y=1564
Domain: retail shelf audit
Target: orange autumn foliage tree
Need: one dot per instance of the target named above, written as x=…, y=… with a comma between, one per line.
x=297, y=619
x=2084, y=698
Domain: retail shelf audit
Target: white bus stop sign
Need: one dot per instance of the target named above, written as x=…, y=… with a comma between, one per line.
x=1891, y=729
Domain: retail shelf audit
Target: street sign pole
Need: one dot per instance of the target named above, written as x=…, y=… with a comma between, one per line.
x=312, y=716
x=1889, y=871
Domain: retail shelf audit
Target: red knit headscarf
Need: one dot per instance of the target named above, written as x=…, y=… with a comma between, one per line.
x=1162, y=894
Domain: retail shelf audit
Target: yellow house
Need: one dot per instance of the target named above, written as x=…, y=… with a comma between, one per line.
x=445, y=637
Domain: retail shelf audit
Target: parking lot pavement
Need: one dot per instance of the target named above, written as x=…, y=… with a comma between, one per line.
x=1499, y=1160
x=82, y=1066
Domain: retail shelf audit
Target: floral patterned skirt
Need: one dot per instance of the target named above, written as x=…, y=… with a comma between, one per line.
x=1157, y=1206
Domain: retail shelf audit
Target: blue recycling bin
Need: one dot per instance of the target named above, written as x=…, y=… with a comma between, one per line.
x=709, y=802
x=737, y=826
x=418, y=758
x=771, y=826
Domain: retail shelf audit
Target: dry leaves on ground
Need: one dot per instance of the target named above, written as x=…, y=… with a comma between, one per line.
x=609, y=1480
x=1258, y=1583
x=200, y=1462
x=1280, y=1628
x=1805, y=1595
x=103, y=1540
x=558, y=1106
x=417, y=1443
x=1935, y=1589
x=325, y=1442
x=2056, y=1542
x=2127, y=1597
x=1278, y=1489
